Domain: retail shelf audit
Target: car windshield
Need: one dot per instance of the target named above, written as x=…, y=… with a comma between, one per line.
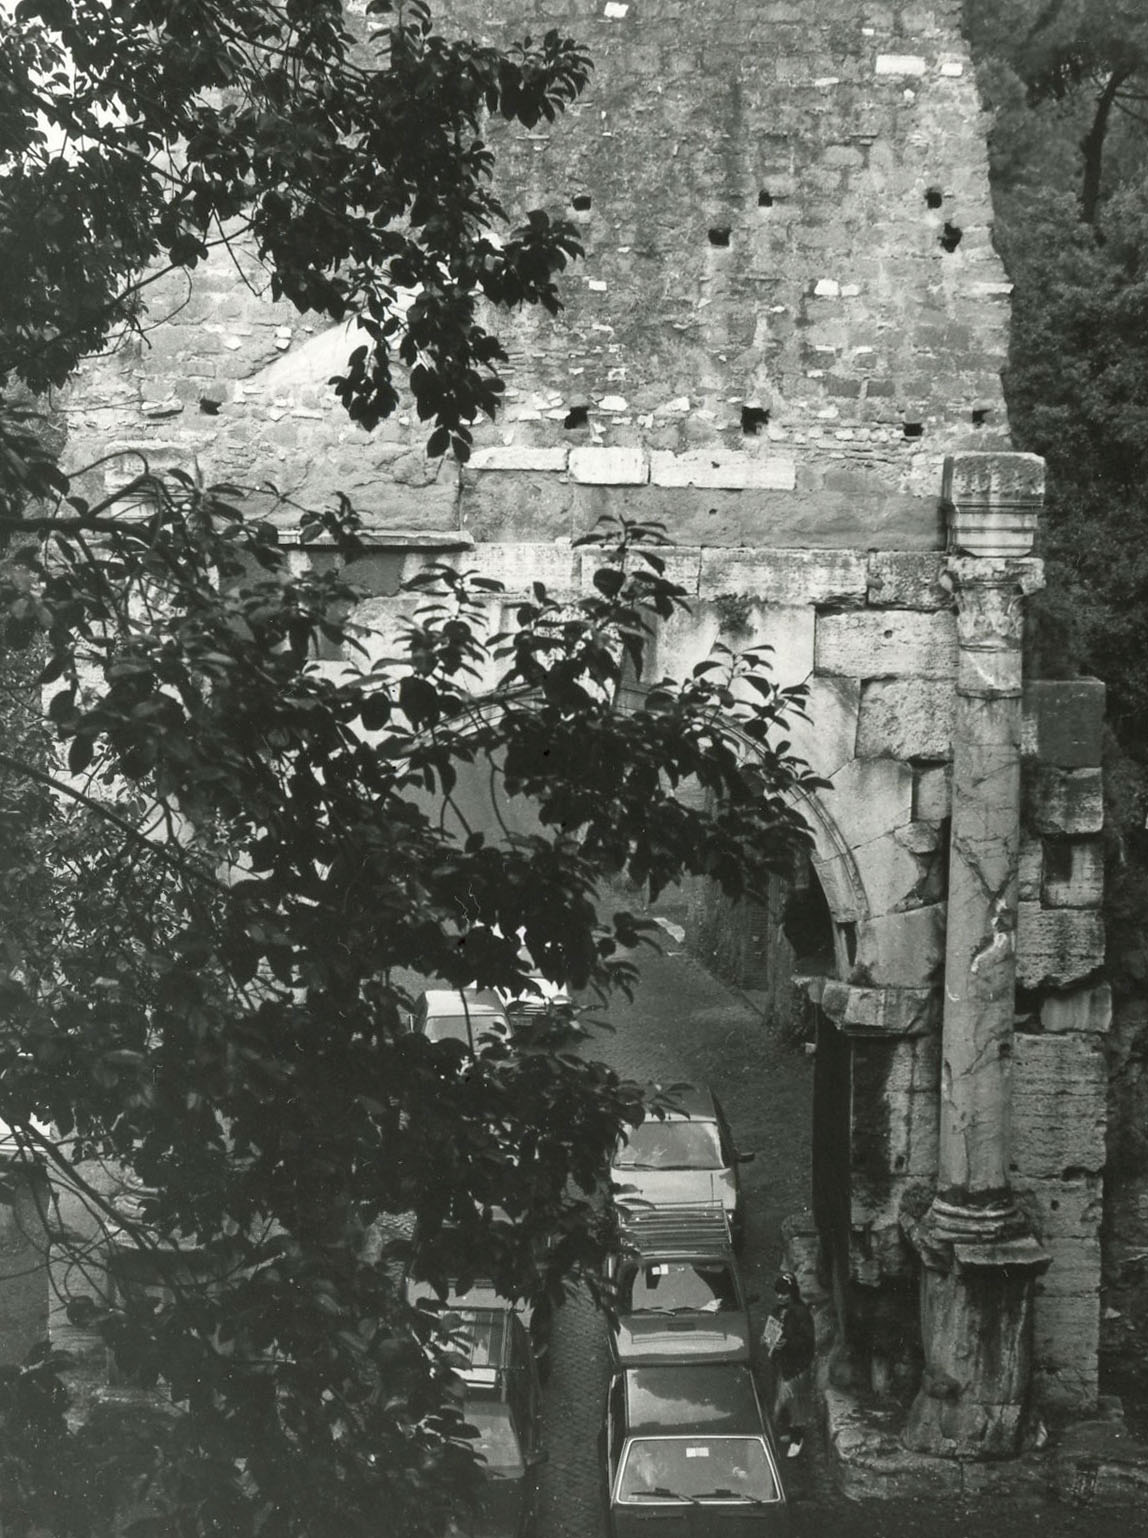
x=454, y=1027
x=497, y=1440
x=701, y=1468
x=672, y=1145
x=667, y=1286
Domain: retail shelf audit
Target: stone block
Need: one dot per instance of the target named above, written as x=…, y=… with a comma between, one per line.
x=420, y=508
x=900, y=64
x=867, y=1467
x=1067, y=717
x=384, y=622
x=517, y=505
x=895, y=1108
x=1063, y=1209
x=1030, y=872
x=1087, y=1011
x=860, y=1011
x=722, y=469
x=1057, y=946
x=1073, y=874
x=1075, y=1267
x=994, y=477
x=905, y=949
x=1059, y=1106
x=906, y=718
x=826, y=736
x=842, y=887
x=878, y=644
x=816, y=516
x=518, y=456
x=517, y=566
x=896, y=877
x=595, y=466
x=1069, y=801
x=932, y=793
x=688, y=638
x=870, y=796
x=786, y=576
x=680, y=565
x=1065, y=1346
x=879, y=1253
x=899, y=579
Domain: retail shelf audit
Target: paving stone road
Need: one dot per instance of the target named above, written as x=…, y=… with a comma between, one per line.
x=683, y=1025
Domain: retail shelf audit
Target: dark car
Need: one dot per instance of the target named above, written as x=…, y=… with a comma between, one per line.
x=688, y=1451
x=678, y=1291
x=686, y=1157
x=503, y=1404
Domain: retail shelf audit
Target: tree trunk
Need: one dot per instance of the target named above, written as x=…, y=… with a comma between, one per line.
x=1092, y=146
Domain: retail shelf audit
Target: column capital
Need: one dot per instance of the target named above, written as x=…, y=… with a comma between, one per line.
x=992, y=502
x=963, y=574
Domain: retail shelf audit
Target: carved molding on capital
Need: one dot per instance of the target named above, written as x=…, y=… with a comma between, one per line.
x=992, y=502
x=990, y=594
x=968, y=574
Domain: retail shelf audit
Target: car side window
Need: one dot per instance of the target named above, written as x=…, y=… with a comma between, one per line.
x=725, y=1136
x=616, y=1422
x=524, y=1391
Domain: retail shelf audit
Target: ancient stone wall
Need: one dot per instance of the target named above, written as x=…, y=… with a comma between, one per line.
x=789, y=313
x=789, y=308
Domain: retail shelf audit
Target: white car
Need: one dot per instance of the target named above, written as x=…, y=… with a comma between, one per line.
x=540, y=994
x=459, y=1014
x=683, y=1158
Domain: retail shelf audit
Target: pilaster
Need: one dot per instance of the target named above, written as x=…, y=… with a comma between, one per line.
x=979, y=1257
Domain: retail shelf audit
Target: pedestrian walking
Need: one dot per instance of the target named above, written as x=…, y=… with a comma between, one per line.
x=790, y=1341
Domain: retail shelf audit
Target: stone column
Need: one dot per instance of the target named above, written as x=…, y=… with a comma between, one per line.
x=979, y=1258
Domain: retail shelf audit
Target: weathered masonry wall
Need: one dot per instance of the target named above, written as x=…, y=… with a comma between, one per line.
x=789, y=314
x=786, y=220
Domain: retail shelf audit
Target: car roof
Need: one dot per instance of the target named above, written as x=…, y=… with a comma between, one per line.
x=683, y=1230
x=693, y=1100
x=461, y=1001
x=484, y=1338
x=711, y=1399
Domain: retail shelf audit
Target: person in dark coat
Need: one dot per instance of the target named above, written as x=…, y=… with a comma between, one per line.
x=791, y=1342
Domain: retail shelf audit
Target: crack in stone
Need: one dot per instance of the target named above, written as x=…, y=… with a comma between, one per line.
x=970, y=858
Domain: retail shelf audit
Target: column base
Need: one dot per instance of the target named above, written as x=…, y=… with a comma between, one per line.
x=977, y=1286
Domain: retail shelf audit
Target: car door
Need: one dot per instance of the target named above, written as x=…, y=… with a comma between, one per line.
x=613, y=1439
x=730, y=1152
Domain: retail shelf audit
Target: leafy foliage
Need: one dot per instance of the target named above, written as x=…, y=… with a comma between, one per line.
x=134, y=137
x=1087, y=54
x=250, y=860
x=1078, y=369
x=229, y=865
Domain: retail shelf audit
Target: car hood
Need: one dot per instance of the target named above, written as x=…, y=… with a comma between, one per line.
x=703, y=1521
x=642, y=1339
x=676, y=1188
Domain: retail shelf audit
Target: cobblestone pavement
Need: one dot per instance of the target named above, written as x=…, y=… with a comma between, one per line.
x=683, y=1025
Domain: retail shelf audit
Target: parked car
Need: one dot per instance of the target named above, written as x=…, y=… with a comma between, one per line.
x=540, y=995
x=685, y=1158
x=688, y=1450
x=502, y=1401
x=678, y=1291
x=459, y=1014
x=472, y=1291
